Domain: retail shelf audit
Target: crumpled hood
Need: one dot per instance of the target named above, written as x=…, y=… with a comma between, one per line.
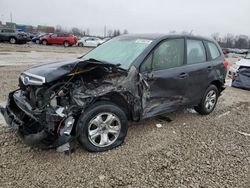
x=243, y=63
x=53, y=71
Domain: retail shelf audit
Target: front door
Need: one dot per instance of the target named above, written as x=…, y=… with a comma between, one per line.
x=166, y=76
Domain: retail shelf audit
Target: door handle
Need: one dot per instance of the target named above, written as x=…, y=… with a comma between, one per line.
x=183, y=75
x=209, y=68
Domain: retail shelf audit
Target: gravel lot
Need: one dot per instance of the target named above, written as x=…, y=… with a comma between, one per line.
x=190, y=151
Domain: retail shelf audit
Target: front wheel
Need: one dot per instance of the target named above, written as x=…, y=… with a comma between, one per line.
x=103, y=127
x=208, y=101
x=80, y=44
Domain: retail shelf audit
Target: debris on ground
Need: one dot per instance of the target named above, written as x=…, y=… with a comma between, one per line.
x=243, y=133
x=224, y=114
x=158, y=125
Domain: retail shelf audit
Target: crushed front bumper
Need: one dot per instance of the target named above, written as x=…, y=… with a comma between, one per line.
x=21, y=117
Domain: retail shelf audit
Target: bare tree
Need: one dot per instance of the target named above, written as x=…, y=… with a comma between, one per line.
x=241, y=42
x=58, y=29
x=172, y=32
x=216, y=36
x=125, y=31
x=87, y=31
x=76, y=31
x=109, y=33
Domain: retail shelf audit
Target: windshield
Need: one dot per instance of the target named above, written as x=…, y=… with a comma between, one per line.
x=248, y=56
x=120, y=50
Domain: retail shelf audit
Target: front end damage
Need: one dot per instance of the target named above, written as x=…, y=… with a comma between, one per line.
x=44, y=112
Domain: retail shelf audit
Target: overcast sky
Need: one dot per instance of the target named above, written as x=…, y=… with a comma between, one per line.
x=137, y=16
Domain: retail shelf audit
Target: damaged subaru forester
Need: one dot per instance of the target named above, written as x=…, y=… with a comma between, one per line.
x=129, y=78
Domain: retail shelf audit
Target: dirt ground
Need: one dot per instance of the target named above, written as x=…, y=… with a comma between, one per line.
x=189, y=151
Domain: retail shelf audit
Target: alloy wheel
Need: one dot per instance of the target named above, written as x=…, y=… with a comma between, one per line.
x=210, y=100
x=104, y=129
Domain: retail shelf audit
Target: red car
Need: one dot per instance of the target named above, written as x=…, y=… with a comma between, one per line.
x=65, y=39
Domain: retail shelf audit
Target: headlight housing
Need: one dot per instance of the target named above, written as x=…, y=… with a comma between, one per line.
x=31, y=79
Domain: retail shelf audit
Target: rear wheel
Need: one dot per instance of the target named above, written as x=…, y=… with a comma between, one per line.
x=102, y=127
x=208, y=101
x=37, y=41
x=66, y=44
x=45, y=42
x=12, y=40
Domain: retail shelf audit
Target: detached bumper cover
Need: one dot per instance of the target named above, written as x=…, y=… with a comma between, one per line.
x=19, y=116
x=10, y=117
x=242, y=79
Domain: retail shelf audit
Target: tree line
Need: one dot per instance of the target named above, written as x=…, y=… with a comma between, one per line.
x=232, y=41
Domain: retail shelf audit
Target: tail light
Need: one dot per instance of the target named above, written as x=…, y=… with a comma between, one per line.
x=226, y=64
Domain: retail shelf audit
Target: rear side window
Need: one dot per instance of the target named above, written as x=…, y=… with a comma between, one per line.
x=168, y=54
x=195, y=52
x=213, y=50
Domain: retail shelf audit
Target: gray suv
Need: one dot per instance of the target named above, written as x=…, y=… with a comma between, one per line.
x=13, y=36
x=128, y=78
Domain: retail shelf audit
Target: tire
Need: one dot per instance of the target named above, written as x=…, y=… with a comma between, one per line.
x=44, y=42
x=80, y=44
x=37, y=41
x=66, y=44
x=105, y=136
x=208, y=101
x=13, y=40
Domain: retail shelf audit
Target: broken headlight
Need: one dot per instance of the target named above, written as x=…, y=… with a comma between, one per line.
x=31, y=79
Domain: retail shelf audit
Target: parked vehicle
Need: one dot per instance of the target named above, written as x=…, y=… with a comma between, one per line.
x=13, y=36
x=65, y=39
x=37, y=39
x=225, y=51
x=128, y=78
x=89, y=42
x=240, y=73
x=238, y=51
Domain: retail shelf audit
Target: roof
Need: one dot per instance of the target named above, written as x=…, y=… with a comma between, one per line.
x=155, y=36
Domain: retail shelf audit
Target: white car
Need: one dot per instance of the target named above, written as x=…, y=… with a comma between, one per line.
x=89, y=42
x=245, y=62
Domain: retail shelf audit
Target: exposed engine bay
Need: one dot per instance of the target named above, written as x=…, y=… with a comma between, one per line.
x=46, y=115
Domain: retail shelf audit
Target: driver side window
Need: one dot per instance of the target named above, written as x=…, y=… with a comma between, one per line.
x=168, y=54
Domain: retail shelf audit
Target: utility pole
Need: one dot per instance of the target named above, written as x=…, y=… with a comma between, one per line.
x=11, y=17
x=105, y=31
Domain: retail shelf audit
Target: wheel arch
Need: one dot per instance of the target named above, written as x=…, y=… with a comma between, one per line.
x=119, y=100
x=218, y=84
x=12, y=37
x=45, y=40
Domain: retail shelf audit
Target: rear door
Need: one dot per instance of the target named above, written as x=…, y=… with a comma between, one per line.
x=166, y=76
x=61, y=38
x=198, y=68
x=91, y=42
